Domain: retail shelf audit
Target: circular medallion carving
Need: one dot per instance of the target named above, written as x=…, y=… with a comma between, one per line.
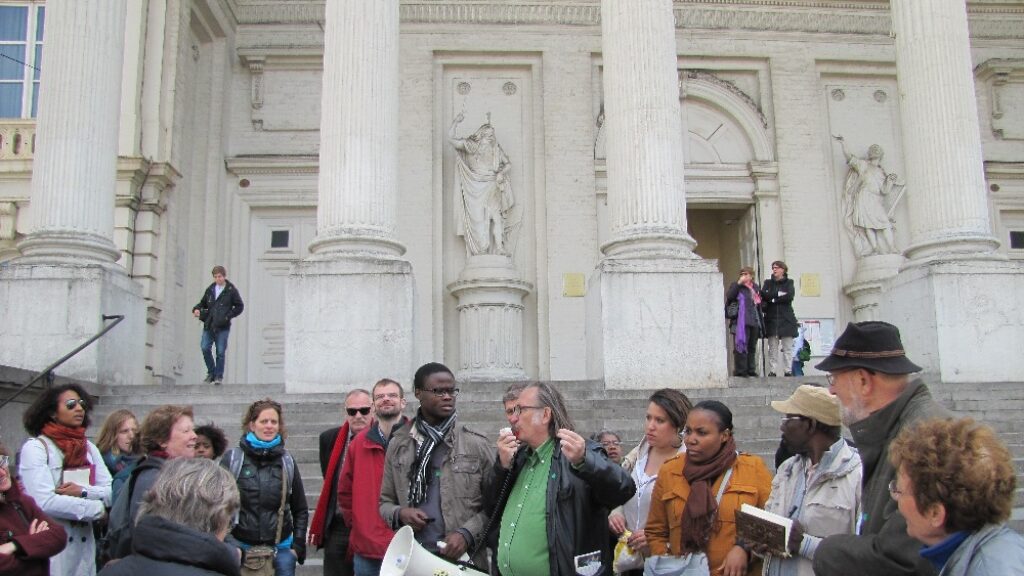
x=509, y=88
x=463, y=88
x=838, y=95
x=881, y=96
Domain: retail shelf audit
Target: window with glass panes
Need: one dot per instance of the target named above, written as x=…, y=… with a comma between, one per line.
x=21, y=54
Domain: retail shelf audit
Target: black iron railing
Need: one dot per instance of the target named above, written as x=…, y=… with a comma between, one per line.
x=47, y=373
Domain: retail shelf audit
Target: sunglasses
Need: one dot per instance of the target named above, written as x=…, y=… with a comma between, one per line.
x=4, y=461
x=69, y=404
x=353, y=411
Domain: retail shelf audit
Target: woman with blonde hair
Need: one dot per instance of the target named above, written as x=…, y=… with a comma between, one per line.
x=274, y=515
x=955, y=484
x=121, y=445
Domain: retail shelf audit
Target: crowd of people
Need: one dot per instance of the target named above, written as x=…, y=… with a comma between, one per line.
x=914, y=491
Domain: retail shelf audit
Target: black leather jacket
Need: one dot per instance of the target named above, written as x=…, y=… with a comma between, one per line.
x=578, y=502
x=259, y=485
x=216, y=313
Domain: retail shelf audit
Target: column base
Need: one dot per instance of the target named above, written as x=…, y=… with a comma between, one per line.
x=348, y=323
x=868, y=283
x=961, y=319
x=662, y=324
x=47, y=310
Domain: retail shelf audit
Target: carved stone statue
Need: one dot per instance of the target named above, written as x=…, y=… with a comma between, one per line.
x=484, y=205
x=866, y=217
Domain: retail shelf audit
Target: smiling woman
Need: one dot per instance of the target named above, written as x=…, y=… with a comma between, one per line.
x=64, y=473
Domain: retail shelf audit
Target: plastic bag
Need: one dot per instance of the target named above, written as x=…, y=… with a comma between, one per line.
x=625, y=558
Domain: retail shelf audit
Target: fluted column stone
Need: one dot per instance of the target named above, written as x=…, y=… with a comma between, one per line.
x=75, y=166
x=950, y=297
x=55, y=295
x=349, y=306
x=646, y=194
x=660, y=304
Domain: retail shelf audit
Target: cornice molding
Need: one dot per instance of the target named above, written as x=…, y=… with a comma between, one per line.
x=868, y=17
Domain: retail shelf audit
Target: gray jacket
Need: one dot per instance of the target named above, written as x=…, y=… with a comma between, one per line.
x=995, y=550
x=883, y=547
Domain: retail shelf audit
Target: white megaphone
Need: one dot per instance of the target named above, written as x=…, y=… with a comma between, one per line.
x=405, y=557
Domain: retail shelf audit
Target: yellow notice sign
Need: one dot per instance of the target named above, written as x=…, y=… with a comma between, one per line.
x=574, y=285
x=810, y=285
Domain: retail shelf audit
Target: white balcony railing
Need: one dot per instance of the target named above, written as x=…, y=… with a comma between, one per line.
x=17, y=139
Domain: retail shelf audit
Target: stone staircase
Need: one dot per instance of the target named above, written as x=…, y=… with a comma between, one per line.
x=592, y=407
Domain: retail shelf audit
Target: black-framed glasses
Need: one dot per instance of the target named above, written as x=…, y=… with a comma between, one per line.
x=442, y=392
x=518, y=408
x=894, y=490
x=70, y=403
x=353, y=411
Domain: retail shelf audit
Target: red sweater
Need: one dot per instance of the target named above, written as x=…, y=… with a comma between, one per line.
x=36, y=549
x=359, y=493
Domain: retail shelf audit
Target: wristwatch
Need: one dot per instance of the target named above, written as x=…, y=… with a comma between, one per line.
x=84, y=494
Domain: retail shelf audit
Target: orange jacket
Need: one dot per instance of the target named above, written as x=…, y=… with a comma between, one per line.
x=751, y=483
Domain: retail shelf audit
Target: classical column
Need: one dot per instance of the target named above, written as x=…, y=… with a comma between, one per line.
x=75, y=165
x=949, y=214
x=647, y=200
x=349, y=306
x=661, y=305
x=950, y=298
x=53, y=297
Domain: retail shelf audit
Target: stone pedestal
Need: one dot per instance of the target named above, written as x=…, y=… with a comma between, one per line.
x=490, y=295
x=866, y=288
x=659, y=326
x=47, y=310
x=961, y=319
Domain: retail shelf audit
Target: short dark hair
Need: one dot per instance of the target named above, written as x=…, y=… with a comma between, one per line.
x=218, y=441
x=157, y=425
x=675, y=404
x=381, y=383
x=424, y=372
x=218, y=269
x=41, y=410
x=962, y=465
x=781, y=264
x=253, y=412
x=720, y=410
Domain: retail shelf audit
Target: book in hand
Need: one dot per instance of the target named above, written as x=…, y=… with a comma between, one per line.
x=757, y=526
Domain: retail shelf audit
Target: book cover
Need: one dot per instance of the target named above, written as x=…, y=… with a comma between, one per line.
x=758, y=526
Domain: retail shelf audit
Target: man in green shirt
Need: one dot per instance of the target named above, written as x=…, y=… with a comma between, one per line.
x=559, y=489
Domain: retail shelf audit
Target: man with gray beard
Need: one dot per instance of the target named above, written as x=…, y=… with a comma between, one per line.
x=870, y=373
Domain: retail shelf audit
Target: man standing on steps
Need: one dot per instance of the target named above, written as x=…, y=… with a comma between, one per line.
x=220, y=303
x=328, y=529
x=361, y=474
x=870, y=373
x=434, y=473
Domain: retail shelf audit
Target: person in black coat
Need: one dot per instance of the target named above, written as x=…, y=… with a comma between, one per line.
x=182, y=524
x=779, y=319
x=747, y=326
x=220, y=303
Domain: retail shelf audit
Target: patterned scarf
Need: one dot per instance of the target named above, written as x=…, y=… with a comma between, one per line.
x=701, y=507
x=419, y=480
x=71, y=442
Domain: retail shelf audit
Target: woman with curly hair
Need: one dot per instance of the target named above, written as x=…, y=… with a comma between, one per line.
x=121, y=445
x=267, y=479
x=210, y=442
x=955, y=483
x=64, y=473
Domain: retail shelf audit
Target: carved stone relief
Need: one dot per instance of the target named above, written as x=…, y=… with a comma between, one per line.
x=1004, y=80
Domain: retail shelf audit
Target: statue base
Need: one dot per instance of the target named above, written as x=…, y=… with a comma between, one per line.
x=868, y=284
x=490, y=295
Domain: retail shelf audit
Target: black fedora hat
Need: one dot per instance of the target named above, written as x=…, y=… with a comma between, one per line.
x=872, y=345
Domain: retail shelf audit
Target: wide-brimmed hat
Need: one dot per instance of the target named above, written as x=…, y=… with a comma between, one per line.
x=812, y=402
x=872, y=345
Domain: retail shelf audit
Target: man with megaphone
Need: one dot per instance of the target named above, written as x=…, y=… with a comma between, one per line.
x=434, y=472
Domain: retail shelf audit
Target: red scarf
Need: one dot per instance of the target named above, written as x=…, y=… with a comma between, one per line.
x=318, y=526
x=701, y=506
x=71, y=442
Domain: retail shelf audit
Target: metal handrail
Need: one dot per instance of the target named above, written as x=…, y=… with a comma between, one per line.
x=47, y=372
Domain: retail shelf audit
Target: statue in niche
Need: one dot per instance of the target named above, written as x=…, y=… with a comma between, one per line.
x=486, y=214
x=867, y=218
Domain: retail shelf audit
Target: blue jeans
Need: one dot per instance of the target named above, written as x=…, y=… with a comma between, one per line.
x=366, y=566
x=208, y=341
x=284, y=563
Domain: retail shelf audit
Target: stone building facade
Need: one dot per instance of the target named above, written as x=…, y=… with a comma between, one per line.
x=364, y=268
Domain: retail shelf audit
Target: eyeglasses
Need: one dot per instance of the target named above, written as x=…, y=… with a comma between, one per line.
x=894, y=491
x=4, y=461
x=353, y=411
x=611, y=443
x=442, y=392
x=383, y=395
x=776, y=267
x=69, y=404
x=518, y=408
x=788, y=418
